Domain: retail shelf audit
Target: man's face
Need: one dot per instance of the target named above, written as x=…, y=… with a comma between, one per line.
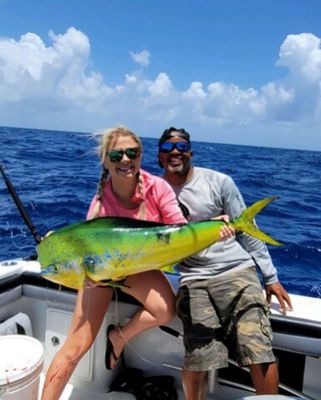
x=176, y=159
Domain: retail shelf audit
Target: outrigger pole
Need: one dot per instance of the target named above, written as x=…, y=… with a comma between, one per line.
x=23, y=212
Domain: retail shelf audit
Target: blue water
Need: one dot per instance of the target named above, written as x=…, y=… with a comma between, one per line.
x=56, y=173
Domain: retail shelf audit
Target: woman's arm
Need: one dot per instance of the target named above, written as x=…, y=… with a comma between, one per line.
x=167, y=203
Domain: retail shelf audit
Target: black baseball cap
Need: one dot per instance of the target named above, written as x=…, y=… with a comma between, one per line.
x=173, y=132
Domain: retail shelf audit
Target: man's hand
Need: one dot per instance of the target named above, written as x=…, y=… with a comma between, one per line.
x=281, y=294
x=226, y=231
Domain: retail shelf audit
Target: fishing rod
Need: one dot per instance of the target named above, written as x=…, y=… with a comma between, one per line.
x=23, y=212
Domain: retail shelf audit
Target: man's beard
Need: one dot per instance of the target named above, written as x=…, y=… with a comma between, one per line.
x=178, y=169
x=181, y=169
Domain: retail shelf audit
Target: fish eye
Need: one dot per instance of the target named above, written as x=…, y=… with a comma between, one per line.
x=53, y=268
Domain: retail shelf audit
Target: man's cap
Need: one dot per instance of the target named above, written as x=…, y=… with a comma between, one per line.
x=173, y=132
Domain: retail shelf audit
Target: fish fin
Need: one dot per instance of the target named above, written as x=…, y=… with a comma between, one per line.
x=244, y=222
x=169, y=269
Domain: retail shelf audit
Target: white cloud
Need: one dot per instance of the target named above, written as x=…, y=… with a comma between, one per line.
x=142, y=58
x=130, y=78
x=301, y=54
x=195, y=91
x=55, y=87
x=162, y=86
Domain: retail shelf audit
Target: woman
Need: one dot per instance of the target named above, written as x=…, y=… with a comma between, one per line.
x=128, y=191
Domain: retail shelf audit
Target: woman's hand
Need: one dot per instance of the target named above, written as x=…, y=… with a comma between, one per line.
x=89, y=283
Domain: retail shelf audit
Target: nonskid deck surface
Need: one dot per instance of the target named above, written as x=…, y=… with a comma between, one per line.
x=74, y=393
x=220, y=393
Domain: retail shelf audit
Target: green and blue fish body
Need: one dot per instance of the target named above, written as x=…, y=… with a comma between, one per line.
x=109, y=249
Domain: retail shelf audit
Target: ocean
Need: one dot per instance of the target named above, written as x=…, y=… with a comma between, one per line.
x=55, y=174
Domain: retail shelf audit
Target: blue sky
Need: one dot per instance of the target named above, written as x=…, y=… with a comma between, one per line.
x=241, y=72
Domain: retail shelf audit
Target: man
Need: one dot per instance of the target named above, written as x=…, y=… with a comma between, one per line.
x=220, y=299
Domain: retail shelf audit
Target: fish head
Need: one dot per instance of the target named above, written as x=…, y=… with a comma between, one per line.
x=67, y=273
x=61, y=261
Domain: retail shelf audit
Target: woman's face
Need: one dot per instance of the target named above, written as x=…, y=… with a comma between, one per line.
x=123, y=158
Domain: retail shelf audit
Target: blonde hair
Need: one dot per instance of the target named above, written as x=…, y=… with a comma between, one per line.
x=106, y=138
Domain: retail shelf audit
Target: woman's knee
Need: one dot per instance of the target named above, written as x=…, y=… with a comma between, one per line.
x=154, y=291
x=171, y=312
x=165, y=312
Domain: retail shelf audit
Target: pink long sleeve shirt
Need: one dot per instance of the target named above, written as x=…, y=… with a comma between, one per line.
x=160, y=202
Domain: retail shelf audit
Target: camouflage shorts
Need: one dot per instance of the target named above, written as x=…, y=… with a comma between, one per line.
x=225, y=316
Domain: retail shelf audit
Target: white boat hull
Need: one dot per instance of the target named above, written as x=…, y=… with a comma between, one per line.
x=297, y=340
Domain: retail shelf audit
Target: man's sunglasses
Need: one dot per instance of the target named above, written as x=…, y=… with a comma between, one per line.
x=167, y=147
x=117, y=155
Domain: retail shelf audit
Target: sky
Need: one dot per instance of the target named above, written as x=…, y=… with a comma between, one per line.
x=234, y=71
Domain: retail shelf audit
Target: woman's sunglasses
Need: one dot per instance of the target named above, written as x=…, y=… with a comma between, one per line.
x=167, y=147
x=117, y=155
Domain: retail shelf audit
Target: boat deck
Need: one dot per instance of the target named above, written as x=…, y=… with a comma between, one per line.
x=73, y=393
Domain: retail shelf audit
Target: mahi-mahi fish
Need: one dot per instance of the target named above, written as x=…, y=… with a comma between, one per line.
x=108, y=249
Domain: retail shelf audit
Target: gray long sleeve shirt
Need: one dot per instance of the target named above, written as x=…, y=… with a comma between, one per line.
x=209, y=194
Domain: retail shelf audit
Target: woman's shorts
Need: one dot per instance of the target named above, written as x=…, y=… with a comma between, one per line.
x=225, y=316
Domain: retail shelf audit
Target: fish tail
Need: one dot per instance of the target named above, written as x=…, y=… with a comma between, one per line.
x=244, y=222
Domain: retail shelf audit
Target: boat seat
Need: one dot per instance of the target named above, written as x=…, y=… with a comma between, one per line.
x=296, y=335
x=19, y=324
